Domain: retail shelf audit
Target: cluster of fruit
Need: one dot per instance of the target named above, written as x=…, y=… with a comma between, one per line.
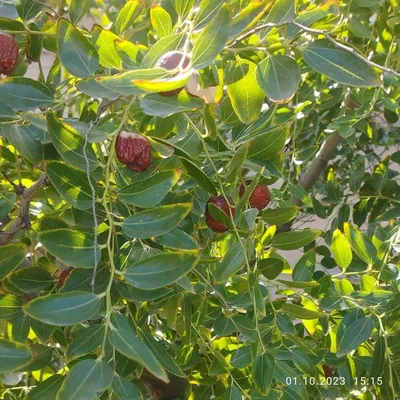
x=134, y=151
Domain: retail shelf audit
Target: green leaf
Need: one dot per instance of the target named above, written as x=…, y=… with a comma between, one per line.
x=263, y=372
x=71, y=183
x=355, y=334
x=220, y=216
x=11, y=256
x=64, y=309
x=246, y=327
x=244, y=91
x=236, y=162
x=126, y=16
x=282, y=11
x=379, y=358
x=87, y=379
x=271, y=268
x=70, y=144
x=72, y=247
x=151, y=191
x=26, y=141
x=25, y=94
x=302, y=361
x=93, y=88
x=31, y=279
x=27, y=9
x=361, y=245
x=212, y=39
x=248, y=17
x=177, y=239
x=305, y=267
x=300, y=312
x=46, y=390
x=340, y=65
x=279, y=216
x=162, y=355
x=233, y=393
x=161, y=270
x=268, y=145
x=13, y=356
x=157, y=105
x=160, y=20
x=156, y=221
x=10, y=306
x=279, y=77
x=78, y=9
x=35, y=43
x=233, y=261
x=124, y=389
x=295, y=240
x=241, y=357
x=162, y=46
x=123, y=339
x=86, y=341
x=198, y=175
x=207, y=11
x=104, y=44
x=77, y=54
x=341, y=249
x=20, y=328
x=298, y=285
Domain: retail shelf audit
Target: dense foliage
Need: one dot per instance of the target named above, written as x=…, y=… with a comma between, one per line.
x=135, y=247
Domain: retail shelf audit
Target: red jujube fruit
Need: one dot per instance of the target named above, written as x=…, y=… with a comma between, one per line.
x=9, y=53
x=259, y=198
x=133, y=150
x=221, y=203
x=170, y=61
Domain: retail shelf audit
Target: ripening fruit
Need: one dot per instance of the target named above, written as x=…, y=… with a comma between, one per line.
x=260, y=197
x=133, y=150
x=170, y=61
x=221, y=203
x=328, y=370
x=9, y=53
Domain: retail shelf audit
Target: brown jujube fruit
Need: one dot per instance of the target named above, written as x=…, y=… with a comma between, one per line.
x=170, y=61
x=259, y=198
x=133, y=150
x=221, y=203
x=9, y=53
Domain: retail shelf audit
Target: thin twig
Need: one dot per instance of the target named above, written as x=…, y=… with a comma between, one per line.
x=314, y=32
x=22, y=221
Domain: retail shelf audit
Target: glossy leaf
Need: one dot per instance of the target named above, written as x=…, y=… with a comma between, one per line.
x=103, y=40
x=157, y=105
x=355, y=334
x=126, y=16
x=233, y=261
x=87, y=379
x=212, y=39
x=361, y=245
x=47, y=389
x=125, y=389
x=263, y=372
x=300, y=312
x=207, y=11
x=341, y=249
x=78, y=8
x=31, y=279
x=13, y=356
x=71, y=183
x=123, y=339
x=70, y=144
x=11, y=256
x=161, y=270
x=305, y=267
x=271, y=268
x=339, y=65
x=279, y=216
x=177, y=239
x=161, y=21
x=279, y=77
x=244, y=91
x=282, y=11
x=72, y=247
x=155, y=222
x=25, y=94
x=64, y=309
x=86, y=341
x=77, y=54
x=295, y=240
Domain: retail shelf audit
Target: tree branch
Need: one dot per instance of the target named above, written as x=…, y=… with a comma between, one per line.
x=22, y=221
x=316, y=32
